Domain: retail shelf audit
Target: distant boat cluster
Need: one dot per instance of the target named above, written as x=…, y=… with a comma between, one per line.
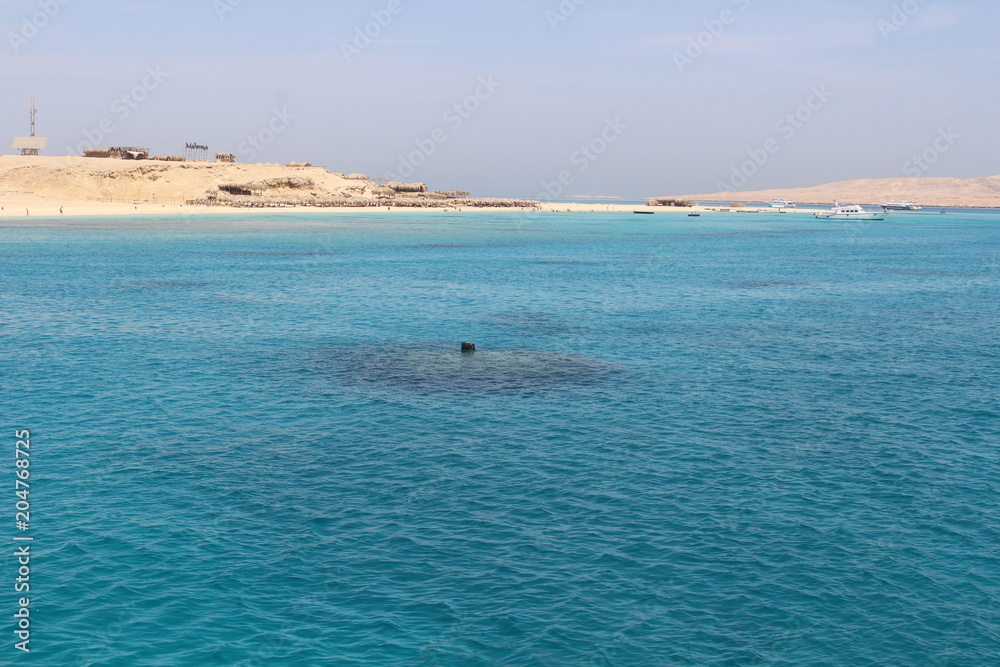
x=838, y=212
x=856, y=212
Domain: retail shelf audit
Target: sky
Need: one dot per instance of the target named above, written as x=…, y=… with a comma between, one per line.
x=543, y=99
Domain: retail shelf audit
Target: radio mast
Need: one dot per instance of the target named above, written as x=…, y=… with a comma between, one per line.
x=31, y=144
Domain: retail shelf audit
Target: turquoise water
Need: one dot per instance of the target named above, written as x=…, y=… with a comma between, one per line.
x=731, y=440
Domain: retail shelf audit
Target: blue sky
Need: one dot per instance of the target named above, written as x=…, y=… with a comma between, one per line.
x=610, y=97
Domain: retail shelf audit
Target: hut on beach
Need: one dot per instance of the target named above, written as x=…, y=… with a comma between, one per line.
x=97, y=152
x=500, y=203
x=408, y=188
x=240, y=190
x=225, y=157
x=668, y=201
x=169, y=158
x=128, y=153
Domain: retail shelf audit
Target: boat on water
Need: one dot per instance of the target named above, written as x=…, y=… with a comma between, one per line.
x=902, y=206
x=782, y=203
x=851, y=212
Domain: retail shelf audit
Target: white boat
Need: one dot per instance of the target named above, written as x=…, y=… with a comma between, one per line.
x=902, y=206
x=782, y=203
x=851, y=212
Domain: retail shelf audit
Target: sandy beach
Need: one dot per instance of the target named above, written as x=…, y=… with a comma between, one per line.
x=43, y=207
x=42, y=186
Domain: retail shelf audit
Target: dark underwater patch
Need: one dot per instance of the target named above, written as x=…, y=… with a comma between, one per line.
x=161, y=285
x=440, y=370
x=442, y=246
x=282, y=253
x=765, y=284
x=936, y=274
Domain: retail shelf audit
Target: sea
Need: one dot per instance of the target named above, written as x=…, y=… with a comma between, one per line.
x=725, y=440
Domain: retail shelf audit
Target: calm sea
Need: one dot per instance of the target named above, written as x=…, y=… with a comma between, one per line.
x=727, y=440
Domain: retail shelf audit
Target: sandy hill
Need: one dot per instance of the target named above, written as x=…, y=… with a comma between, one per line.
x=45, y=184
x=82, y=179
x=927, y=191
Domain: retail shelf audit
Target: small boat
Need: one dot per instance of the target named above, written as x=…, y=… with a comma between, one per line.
x=851, y=212
x=694, y=215
x=782, y=203
x=643, y=212
x=902, y=206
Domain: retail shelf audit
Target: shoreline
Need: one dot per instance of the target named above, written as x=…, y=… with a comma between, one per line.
x=24, y=210
x=82, y=187
x=42, y=208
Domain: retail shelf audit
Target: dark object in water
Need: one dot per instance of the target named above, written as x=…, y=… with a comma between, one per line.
x=643, y=212
x=468, y=347
x=694, y=215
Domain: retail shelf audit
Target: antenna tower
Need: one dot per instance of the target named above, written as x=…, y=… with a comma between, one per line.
x=30, y=145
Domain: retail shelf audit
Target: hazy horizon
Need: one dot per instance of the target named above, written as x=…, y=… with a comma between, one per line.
x=632, y=100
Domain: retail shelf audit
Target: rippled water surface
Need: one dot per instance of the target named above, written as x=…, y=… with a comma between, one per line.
x=729, y=441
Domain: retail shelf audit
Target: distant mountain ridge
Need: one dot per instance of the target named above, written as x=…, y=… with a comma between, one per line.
x=976, y=192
